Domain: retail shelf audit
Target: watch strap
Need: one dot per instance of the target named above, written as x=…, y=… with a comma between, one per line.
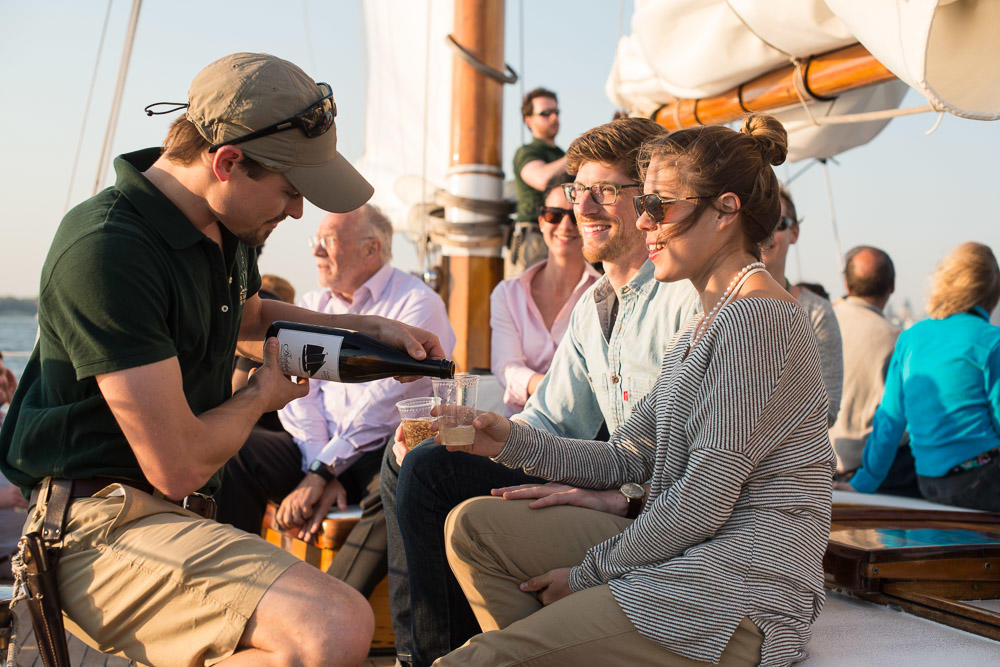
x=317, y=467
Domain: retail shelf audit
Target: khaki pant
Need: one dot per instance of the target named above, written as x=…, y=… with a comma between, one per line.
x=142, y=578
x=494, y=544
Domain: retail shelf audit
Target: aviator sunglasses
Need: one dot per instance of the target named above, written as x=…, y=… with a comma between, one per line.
x=554, y=214
x=658, y=209
x=314, y=121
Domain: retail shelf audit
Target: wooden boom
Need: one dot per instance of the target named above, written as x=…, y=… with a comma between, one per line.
x=822, y=76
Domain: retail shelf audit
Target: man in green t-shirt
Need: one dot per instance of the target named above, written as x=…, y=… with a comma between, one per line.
x=125, y=407
x=535, y=164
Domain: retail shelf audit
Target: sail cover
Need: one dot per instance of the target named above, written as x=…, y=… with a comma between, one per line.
x=700, y=48
x=408, y=102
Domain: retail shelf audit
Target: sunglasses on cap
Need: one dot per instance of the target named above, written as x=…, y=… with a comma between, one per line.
x=314, y=121
x=554, y=214
x=784, y=222
x=660, y=210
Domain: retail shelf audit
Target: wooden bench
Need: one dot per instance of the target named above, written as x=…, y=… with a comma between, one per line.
x=321, y=552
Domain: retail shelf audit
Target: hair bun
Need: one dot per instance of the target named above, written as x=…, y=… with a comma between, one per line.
x=769, y=135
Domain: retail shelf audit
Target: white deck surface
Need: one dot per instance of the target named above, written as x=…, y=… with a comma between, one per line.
x=857, y=633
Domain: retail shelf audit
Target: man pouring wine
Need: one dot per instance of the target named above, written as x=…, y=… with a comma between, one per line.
x=124, y=412
x=330, y=449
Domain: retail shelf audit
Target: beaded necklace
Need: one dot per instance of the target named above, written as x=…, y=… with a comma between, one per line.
x=734, y=287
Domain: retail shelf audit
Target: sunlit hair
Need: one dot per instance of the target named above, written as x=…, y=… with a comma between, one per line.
x=615, y=144
x=528, y=103
x=184, y=144
x=968, y=277
x=278, y=286
x=381, y=228
x=712, y=160
x=556, y=182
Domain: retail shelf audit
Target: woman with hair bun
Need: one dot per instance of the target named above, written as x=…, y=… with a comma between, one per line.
x=943, y=386
x=709, y=545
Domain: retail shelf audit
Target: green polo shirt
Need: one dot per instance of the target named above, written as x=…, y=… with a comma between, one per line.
x=128, y=281
x=528, y=198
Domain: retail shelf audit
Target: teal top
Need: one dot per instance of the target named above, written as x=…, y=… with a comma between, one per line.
x=600, y=372
x=943, y=386
x=128, y=281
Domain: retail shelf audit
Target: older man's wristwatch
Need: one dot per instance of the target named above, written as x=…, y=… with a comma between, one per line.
x=317, y=467
x=634, y=493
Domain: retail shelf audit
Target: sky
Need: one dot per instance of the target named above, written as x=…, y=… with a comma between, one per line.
x=913, y=195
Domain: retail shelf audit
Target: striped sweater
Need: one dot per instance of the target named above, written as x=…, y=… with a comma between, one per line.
x=733, y=438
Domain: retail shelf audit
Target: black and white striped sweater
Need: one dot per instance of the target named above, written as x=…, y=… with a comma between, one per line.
x=733, y=438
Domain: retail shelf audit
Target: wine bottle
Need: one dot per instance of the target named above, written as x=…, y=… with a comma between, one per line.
x=341, y=355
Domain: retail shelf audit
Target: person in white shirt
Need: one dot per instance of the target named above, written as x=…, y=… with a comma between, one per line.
x=330, y=450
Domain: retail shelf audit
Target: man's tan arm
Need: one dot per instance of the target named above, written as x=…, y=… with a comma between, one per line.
x=538, y=172
x=177, y=450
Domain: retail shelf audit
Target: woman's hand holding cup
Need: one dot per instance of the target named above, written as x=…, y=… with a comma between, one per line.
x=491, y=433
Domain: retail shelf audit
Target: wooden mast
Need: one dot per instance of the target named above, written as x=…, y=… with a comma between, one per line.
x=471, y=239
x=825, y=75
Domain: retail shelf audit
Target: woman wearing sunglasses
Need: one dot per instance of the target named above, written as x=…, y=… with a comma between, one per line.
x=819, y=311
x=529, y=314
x=723, y=562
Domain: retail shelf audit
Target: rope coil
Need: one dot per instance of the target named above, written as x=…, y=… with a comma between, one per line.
x=509, y=76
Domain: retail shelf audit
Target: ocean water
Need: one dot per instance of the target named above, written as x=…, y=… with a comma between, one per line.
x=17, y=337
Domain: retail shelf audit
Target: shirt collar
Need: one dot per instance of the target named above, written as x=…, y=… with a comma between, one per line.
x=161, y=213
x=374, y=286
x=979, y=310
x=862, y=303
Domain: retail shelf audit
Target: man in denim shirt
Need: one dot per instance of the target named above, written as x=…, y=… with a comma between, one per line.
x=606, y=362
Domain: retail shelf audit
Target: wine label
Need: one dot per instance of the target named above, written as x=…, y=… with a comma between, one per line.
x=309, y=354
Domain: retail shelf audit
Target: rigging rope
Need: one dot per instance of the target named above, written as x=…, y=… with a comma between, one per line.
x=116, y=104
x=423, y=241
x=833, y=214
x=86, y=108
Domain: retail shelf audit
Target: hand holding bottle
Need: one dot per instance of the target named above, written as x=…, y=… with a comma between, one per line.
x=492, y=431
x=418, y=343
x=275, y=388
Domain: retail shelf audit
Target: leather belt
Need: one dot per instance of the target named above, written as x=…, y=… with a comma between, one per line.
x=198, y=503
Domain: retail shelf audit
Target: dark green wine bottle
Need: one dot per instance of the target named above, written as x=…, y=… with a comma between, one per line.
x=341, y=355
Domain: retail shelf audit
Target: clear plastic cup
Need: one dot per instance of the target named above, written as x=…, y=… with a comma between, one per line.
x=417, y=419
x=458, y=408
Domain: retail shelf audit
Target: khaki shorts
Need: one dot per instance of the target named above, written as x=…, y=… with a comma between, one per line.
x=142, y=578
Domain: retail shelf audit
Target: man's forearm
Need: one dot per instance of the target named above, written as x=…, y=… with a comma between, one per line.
x=257, y=319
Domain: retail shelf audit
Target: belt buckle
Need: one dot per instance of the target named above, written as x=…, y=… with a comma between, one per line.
x=200, y=504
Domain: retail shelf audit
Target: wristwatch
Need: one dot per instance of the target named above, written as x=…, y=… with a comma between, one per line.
x=634, y=493
x=317, y=467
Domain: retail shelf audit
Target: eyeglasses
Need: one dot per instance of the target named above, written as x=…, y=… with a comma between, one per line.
x=314, y=121
x=545, y=113
x=660, y=210
x=604, y=194
x=554, y=214
x=327, y=242
x=784, y=222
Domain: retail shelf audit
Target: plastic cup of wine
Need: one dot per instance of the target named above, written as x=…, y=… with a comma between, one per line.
x=417, y=419
x=458, y=408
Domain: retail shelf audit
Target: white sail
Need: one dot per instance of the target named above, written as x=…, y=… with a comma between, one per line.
x=409, y=69
x=699, y=48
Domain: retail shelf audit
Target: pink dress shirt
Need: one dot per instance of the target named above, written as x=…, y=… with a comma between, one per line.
x=337, y=423
x=521, y=345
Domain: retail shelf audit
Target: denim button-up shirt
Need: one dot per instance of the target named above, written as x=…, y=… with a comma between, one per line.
x=600, y=371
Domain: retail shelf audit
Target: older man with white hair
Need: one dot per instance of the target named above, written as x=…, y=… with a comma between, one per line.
x=330, y=450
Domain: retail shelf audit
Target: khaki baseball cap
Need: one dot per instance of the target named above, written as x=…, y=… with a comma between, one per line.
x=245, y=92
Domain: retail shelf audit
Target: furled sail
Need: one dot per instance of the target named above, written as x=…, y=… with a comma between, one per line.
x=408, y=104
x=683, y=49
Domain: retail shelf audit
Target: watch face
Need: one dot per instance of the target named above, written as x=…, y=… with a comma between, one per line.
x=632, y=491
